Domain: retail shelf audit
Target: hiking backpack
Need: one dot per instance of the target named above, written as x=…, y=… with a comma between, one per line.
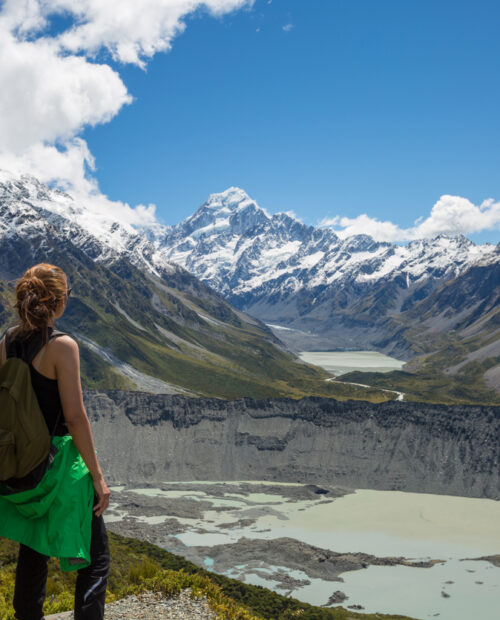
x=25, y=440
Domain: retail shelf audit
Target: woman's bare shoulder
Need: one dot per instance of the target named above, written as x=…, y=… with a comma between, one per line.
x=65, y=343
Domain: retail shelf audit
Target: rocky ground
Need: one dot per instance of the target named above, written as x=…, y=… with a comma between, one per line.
x=315, y=562
x=153, y=606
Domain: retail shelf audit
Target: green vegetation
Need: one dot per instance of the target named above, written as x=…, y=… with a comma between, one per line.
x=138, y=566
x=98, y=375
x=179, y=331
x=426, y=381
x=453, y=333
x=432, y=386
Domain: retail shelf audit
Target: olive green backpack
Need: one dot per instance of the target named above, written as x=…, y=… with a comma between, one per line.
x=25, y=441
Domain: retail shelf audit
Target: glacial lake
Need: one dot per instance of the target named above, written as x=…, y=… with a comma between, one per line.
x=453, y=531
x=340, y=362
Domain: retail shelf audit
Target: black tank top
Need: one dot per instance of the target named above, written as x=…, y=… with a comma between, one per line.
x=45, y=388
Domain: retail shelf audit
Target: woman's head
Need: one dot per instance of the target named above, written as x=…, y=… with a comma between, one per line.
x=41, y=295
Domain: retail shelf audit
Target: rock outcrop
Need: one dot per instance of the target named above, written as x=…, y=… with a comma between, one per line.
x=147, y=438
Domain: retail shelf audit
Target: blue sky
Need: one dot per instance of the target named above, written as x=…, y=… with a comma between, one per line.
x=358, y=109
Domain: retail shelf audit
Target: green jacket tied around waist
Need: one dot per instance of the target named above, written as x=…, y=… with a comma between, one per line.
x=55, y=517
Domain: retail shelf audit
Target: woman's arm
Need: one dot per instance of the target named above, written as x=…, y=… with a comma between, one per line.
x=67, y=367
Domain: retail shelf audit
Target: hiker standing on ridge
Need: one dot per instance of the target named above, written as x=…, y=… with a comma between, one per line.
x=54, y=509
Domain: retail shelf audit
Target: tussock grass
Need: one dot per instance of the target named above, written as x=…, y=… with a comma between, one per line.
x=138, y=566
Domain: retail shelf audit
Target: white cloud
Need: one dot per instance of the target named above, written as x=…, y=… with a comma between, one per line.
x=64, y=166
x=51, y=87
x=118, y=211
x=450, y=214
x=287, y=27
x=453, y=214
x=364, y=224
x=131, y=30
x=46, y=96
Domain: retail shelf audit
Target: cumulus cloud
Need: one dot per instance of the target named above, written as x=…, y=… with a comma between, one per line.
x=363, y=224
x=52, y=87
x=452, y=215
x=46, y=96
x=65, y=166
x=131, y=31
x=287, y=27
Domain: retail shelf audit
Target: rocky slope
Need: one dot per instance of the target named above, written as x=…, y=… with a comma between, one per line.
x=433, y=301
x=459, y=309
x=453, y=450
x=141, y=322
x=437, y=297
x=327, y=291
x=455, y=335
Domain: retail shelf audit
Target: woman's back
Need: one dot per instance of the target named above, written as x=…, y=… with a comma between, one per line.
x=41, y=368
x=72, y=494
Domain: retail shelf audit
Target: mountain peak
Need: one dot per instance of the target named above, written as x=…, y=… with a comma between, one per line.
x=231, y=211
x=230, y=196
x=230, y=200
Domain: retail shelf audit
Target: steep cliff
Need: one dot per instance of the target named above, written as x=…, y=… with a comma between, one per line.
x=450, y=450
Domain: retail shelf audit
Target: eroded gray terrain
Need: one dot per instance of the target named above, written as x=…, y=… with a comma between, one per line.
x=151, y=438
x=147, y=442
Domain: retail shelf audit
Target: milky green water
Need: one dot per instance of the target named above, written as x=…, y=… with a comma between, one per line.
x=418, y=526
x=340, y=362
x=451, y=591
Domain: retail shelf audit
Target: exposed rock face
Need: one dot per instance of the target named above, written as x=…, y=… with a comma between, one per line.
x=317, y=563
x=451, y=450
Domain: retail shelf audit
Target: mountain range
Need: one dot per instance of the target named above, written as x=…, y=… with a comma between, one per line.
x=434, y=301
x=143, y=322
x=296, y=287
x=307, y=279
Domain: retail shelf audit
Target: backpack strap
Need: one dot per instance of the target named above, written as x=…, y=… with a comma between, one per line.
x=55, y=333
x=3, y=340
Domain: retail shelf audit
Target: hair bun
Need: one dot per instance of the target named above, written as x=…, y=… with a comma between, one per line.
x=39, y=292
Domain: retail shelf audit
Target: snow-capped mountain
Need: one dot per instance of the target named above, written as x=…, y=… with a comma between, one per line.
x=28, y=206
x=237, y=247
x=308, y=279
x=141, y=322
x=315, y=289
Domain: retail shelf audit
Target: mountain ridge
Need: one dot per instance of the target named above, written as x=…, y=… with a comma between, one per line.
x=301, y=287
x=142, y=320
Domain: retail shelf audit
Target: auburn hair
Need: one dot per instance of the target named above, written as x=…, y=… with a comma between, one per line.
x=39, y=292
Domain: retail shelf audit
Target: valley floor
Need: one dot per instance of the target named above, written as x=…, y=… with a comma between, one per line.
x=283, y=536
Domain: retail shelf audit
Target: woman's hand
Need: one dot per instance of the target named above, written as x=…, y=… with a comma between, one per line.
x=103, y=493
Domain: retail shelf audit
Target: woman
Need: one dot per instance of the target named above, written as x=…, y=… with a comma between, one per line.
x=41, y=297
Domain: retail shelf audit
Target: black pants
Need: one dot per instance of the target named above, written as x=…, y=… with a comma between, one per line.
x=91, y=582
